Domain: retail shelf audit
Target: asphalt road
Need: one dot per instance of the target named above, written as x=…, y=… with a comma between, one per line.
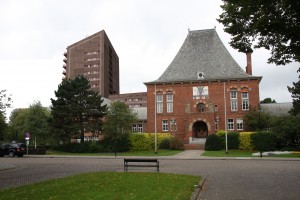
x=225, y=178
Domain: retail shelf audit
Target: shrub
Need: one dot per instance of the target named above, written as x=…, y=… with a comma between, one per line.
x=263, y=141
x=146, y=141
x=176, y=144
x=232, y=139
x=245, y=141
x=165, y=144
x=213, y=143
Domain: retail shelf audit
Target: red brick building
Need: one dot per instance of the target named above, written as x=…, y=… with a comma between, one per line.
x=96, y=59
x=202, y=91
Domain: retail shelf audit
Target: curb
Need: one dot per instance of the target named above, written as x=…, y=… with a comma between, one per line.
x=198, y=189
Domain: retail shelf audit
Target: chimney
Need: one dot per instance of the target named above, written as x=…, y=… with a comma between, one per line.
x=249, y=63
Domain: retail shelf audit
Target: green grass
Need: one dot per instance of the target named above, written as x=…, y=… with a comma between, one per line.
x=130, y=153
x=241, y=153
x=231, y=153
x=109, y=185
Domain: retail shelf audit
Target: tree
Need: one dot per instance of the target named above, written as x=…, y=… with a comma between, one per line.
x=5, y=101
x=37, y=123
x=77, y=109
x=17, y=124
x=256, y=120
x=3, y=126
x=273, y=25
x=268, y=100
x=118, y=124
x=295, y=90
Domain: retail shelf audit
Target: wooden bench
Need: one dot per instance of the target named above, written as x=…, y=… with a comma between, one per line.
x=140, y=162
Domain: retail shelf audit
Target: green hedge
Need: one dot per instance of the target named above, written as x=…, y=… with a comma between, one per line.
x=245, y=141
x=233, y=141
x=213, y=143
x=263, y=141
x=146, y=141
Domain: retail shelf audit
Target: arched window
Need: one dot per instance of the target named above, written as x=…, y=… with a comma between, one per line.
x=200, y=107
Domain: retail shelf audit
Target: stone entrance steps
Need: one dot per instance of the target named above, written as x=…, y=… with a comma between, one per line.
x=194, y=146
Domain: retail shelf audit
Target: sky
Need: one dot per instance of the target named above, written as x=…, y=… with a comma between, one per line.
x=146, y=35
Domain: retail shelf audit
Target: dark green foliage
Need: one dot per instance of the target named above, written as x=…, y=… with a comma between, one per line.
x=233, y=141
x=268, y=100
x=213, y=143
x=273, y=25
x=256, y=120
x=86, y=147
x=287, y=131
x=165, y=144
x=3, y=126
x=76, y=109
x=295, y=91
x=176, y=144
x=117, y=126
x=263, y=141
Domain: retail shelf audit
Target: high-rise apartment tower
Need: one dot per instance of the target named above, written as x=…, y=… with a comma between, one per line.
x=95, y=58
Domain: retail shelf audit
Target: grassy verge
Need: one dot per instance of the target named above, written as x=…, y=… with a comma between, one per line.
x=108, y=185
x=130, y=153
x=240, y=153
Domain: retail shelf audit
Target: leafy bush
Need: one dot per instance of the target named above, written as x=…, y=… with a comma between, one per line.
x=232, y=139
x=165, y=144
x=146, y=141
x=263, y=141
x=213, y=143
x=176, y=144
x=86, y=147
x=245, y=141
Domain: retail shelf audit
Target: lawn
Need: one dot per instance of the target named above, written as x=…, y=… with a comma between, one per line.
x=109, y=185
x=130, y=153
x=241, y=153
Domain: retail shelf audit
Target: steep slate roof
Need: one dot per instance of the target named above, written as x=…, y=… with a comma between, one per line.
x=276, y=109
x=202, y=52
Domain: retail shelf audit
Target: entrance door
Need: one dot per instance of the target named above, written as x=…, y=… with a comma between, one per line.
x=200, y=129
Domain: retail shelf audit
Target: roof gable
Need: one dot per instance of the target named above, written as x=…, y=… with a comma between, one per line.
x=202, y=56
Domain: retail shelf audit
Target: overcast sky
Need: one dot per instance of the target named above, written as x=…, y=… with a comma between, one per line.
x=146, y=35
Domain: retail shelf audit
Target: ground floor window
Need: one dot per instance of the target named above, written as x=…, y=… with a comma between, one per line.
x=230, y=124
x=165, y=125
x=239, y=124
x=137, y=128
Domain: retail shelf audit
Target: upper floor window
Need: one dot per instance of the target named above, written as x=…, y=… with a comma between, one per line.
x=245, y=101
x=159, y=103
x=233, y=101
x=169, y=98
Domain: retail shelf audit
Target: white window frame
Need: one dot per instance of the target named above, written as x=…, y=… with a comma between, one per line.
x=239, y=124
x=140, y=128
x=134, y=128
x=159, y=103
x=245, y=101
x=233, y=101
x=169, y=99
x=165, y=125
x=230, y=124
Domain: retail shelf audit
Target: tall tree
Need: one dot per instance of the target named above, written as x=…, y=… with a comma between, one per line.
x=17, y=124
x=77, y=109
x=118, y=123
x=37, y=123
x=5, y=101
x=3, y=126
x=273, y=25
x=295, y=90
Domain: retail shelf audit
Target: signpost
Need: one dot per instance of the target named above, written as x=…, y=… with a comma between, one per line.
x=27, y=137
